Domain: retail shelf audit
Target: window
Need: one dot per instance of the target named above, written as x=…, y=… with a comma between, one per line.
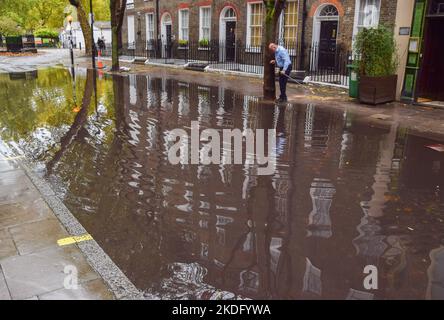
x=131, y=35
x=436, y=7
x=329, y=11
x=130, y=4
x=183, y=24
x=149, y=20
x=205, y=23
x=291, y=22
x=255, y=17
x=368, y=14
x=230, y=13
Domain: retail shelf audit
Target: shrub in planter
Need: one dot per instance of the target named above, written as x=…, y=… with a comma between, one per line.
x=183, y=43
x=204, y=43
x=377, y=63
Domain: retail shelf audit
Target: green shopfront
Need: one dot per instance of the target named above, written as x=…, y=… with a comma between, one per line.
x=424, y=77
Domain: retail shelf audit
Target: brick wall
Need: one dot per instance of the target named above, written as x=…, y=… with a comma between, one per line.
x=142, y=7
x=193, y=6
x=346, y=10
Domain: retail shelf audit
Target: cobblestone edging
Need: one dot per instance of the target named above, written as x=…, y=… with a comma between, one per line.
x=116, y=280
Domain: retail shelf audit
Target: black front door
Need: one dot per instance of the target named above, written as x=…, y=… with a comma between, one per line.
x=169, y=35
x=430, y=84
x=230, y=40
x=327, y=44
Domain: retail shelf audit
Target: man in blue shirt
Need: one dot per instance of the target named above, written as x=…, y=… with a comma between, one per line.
x=282, y=60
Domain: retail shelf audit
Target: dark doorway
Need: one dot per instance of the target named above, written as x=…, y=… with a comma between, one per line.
x=230, y=40
x=327, y=44
x=169, y=35
x=430, y=83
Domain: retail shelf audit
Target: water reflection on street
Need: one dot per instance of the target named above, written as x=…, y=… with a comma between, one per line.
x=345, y=194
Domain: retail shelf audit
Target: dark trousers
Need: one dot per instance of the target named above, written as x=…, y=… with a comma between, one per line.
x=283, y=82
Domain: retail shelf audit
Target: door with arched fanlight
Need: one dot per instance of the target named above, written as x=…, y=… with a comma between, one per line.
x=328, y=34
x=227, y=33
x=166, y=35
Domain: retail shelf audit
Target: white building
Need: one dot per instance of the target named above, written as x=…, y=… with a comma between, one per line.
x=101, y=29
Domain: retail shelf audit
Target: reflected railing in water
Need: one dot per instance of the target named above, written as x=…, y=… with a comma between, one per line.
x=342, y=196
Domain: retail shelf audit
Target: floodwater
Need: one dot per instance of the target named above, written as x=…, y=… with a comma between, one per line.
x=345, y=194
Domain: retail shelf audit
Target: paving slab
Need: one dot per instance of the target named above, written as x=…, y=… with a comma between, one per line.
x=15, y=184
x=44, y=271
x=7, y=246
x=91, y=290
x=35, y=236
x=7, y=165
x=4, y=292
x=27, y=208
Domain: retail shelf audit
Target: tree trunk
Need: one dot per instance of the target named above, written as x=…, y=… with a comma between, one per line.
x=117, y=9
x=115, y=49
x=84, y=24
x=80, y=119
x=272, y=11
x=269, y=86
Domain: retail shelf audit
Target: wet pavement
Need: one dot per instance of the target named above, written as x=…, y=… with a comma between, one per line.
x=43, y=59
x=352, y=188
x=32, y=264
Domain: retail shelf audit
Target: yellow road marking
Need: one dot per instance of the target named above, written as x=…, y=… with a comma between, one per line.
x=72, y=240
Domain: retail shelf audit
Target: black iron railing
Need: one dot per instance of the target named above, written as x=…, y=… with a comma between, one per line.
x=322, y=63
x=328, y=64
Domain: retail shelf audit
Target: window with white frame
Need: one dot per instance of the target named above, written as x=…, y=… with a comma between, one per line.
x=131, y=34
x=291, y=22
x=149, y=20
x=254, y=24
x=367, y=14
x=205, y=23
x=183, y=24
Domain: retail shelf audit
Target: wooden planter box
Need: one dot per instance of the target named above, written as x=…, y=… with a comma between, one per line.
x=376, y=90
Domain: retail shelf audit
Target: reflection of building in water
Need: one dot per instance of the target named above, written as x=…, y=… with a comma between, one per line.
x=227, y=223
x=435, y=288
x=312, y=279
x=359, y=295
x=421, y=216
x=244, y=234
x=321, y=192
x=183, y=276
x=370, y=243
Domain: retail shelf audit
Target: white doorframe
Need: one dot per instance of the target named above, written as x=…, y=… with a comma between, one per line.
x=131, y=34
x=165, y=21
x=222, y=30
x=317, y=20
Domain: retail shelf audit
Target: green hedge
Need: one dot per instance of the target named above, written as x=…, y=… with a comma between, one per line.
x=46, y=33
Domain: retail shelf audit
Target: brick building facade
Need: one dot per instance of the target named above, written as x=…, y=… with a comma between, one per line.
x=345, y=17
x=242, y=16
x=194, y=20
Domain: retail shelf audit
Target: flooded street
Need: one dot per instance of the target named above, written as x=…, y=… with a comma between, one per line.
x=346, y=194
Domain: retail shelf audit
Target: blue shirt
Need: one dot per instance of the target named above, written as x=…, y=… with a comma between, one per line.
x=282, y=58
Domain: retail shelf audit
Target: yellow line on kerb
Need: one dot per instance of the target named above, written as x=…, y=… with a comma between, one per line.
x=72, y=240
